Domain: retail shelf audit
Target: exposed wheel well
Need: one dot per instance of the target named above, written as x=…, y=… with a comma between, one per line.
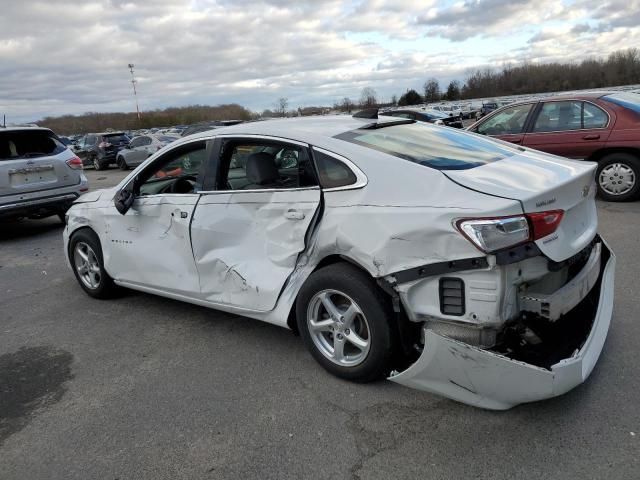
x=598, y=155
x=78, y=230
x=328, y=260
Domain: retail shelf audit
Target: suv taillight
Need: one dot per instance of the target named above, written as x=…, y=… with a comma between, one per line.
x=75, y=163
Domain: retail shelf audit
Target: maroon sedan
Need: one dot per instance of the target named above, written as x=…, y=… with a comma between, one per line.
x=603, y=127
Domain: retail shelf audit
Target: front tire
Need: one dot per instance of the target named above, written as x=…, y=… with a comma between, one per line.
x=618, y=177
x=122, y=164
x=85, y=253
x=345, y=322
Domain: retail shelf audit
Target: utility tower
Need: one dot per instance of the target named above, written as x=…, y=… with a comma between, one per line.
x=135, y=93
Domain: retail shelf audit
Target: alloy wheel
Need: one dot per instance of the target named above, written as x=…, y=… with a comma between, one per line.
x=87, y=265
x=338, y=328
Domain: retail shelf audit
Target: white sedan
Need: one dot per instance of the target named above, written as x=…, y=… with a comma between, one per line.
x=440, y=259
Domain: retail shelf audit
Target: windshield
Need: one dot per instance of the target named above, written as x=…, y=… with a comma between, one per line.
x=625, y=99
x=439, y=148
x=16, y=144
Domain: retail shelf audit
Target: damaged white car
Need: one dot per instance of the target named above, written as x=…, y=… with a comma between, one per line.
x=443, y=260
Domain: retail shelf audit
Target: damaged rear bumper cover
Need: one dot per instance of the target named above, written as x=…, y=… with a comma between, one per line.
x=487, y=379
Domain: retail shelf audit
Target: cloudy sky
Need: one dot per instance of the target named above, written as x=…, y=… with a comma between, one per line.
x=62, y=56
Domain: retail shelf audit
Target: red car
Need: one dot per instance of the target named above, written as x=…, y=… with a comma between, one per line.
x=603, y=127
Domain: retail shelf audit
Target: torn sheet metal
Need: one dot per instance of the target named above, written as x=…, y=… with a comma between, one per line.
x=489, y=380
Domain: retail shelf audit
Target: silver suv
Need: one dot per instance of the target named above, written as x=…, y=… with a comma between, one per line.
x=39, y=175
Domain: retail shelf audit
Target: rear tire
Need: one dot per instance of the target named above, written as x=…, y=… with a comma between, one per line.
x=618, y=177
x=122, y=163
x=345, y=322
x=85, y=254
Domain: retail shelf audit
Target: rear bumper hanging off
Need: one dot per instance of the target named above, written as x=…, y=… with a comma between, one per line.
x=487, y=379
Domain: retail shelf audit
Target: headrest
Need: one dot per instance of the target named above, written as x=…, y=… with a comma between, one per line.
x=261, y=168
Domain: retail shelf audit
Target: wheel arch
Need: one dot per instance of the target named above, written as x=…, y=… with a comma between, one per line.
x=603, y=152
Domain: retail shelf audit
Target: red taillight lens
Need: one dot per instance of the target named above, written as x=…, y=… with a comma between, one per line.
x=75, y=163
x=544, y=223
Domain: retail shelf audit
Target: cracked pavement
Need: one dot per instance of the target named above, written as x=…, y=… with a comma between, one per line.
x=143, y=387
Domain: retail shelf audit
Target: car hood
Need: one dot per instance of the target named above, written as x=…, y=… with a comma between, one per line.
x=96, y=195
x=542, y=182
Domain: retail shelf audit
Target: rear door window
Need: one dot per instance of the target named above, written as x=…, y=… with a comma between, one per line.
x=559, y=117
x=594, y=117
x=16, y=144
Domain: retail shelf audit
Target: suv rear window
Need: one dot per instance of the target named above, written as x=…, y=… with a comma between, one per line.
x=118, y=138
x=15, y=144
x=435, y=147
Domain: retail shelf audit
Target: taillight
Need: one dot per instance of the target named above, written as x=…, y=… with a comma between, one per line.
x=544, y=223
x=75, y=163
x=493, y=234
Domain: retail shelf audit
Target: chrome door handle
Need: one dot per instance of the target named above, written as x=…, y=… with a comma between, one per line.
x=293, y=214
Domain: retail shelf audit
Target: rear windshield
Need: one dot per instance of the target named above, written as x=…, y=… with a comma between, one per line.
x=435, y=147
x=118, y=138
x=625, y=99
x=15, y=144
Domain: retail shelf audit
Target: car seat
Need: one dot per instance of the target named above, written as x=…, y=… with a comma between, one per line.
x=262, y=171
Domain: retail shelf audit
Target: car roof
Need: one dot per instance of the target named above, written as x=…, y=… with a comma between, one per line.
x=27, y=127
x=107, y=133
x=303, y=129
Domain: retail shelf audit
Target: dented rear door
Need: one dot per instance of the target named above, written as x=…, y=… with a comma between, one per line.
x=246, y=243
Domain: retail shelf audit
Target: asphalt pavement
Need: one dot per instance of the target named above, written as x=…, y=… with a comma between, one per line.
x=143, y=387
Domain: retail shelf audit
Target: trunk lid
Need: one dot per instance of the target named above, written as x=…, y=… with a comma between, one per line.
x=542, y=182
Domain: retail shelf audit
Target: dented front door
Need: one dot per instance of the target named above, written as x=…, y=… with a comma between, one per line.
x=246, y=244
x=150, y=244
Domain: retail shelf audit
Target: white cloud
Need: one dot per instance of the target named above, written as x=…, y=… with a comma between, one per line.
x=64, y=56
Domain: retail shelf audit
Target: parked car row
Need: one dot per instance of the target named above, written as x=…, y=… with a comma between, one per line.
x=430, y=116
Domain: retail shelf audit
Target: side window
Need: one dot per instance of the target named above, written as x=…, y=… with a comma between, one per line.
x=594, y=117
x=175, y=172
x=145, y=141
x=258, y=166
x=136, y=142
x=559, y=117
x=90, y=140
x=509, y=121
x=332, y=172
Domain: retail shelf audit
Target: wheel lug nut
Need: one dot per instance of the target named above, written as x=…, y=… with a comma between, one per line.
x=339, y=336
x=347, y=331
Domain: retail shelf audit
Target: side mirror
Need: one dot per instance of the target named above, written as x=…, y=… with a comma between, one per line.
x=123, y=200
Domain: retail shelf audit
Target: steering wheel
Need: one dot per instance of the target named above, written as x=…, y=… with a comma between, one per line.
x=183, y=184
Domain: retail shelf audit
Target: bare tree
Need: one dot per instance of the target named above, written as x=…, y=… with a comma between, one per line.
x=394, y=100
x=346, y=104
x=281, y=106
x=368, y=97
x=431, y=91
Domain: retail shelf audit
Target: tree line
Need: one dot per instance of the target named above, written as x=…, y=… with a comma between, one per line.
x=92, y=122
x=619, y=68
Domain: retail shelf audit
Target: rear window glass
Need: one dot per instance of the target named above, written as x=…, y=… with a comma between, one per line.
x=439, y=148
x=625, y=99
x=119, y=138
x=15, y=144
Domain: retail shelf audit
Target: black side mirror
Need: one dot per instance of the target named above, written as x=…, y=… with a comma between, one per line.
x=123, y=201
